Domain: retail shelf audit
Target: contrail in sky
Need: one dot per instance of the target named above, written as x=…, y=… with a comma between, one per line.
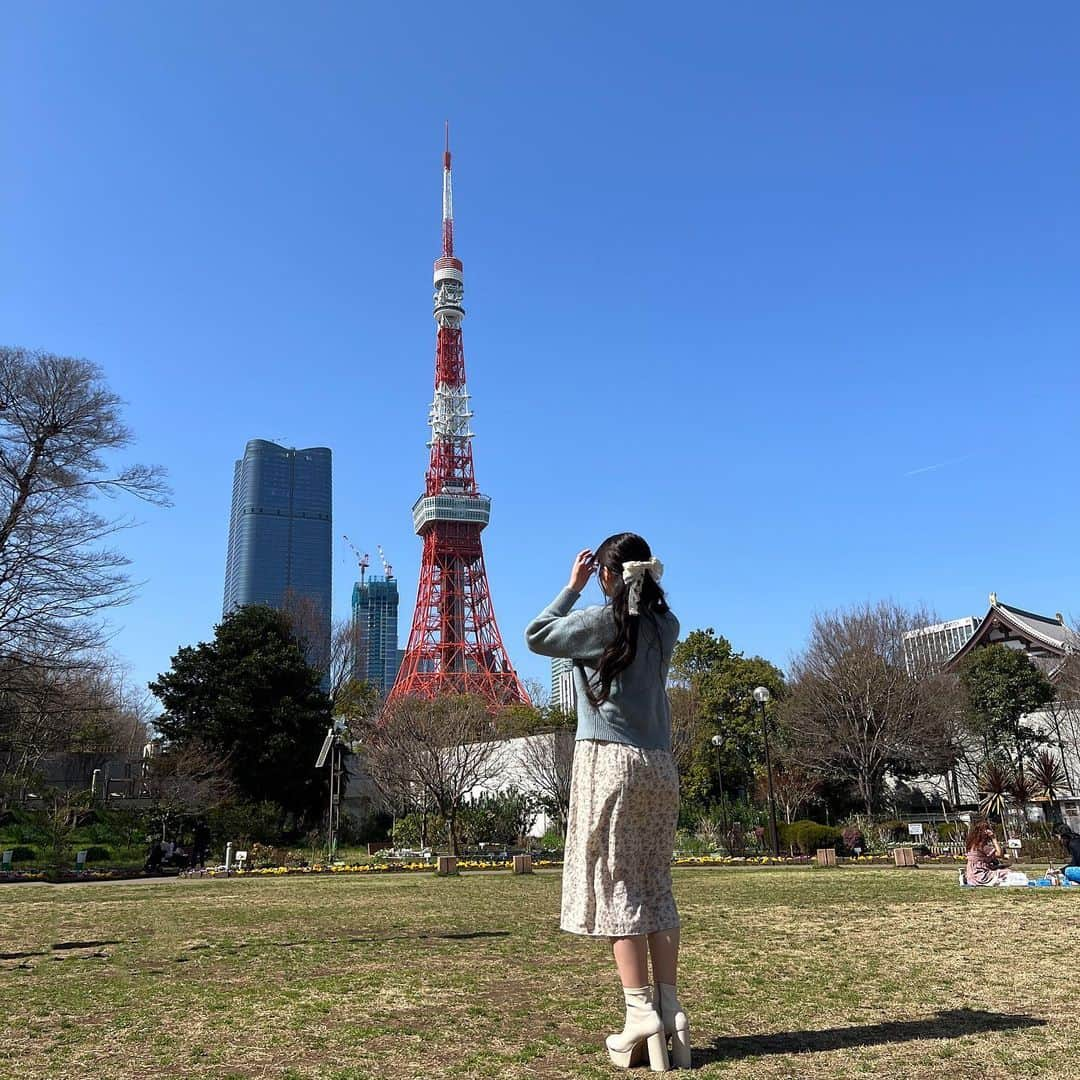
x=939, y=465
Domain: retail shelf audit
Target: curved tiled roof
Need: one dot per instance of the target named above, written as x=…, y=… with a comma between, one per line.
x=1050, y=631
x=1050, y=635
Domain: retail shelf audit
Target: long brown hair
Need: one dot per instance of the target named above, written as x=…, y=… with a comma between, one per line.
x=980, y=832
x=620, y=652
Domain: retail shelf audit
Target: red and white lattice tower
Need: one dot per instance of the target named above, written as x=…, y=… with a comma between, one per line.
x=454, y=644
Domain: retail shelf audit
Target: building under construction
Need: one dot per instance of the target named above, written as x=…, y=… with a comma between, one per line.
x=375, y=616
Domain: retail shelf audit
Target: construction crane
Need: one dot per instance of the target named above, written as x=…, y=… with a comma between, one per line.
x=363, y=561
x=388, y=570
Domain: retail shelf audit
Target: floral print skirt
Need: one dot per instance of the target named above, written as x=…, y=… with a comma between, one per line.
x=624, y=805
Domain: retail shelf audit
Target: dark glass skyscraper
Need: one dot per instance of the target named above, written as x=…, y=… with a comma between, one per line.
x=375, y=614
x=280, y=532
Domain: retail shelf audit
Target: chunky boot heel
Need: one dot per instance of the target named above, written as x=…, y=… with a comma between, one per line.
x=658, y=1059
x=643, y=1030
x=680, y=1048
x=676, y=1025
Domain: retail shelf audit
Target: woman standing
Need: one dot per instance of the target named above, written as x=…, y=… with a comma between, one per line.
x=624, y=793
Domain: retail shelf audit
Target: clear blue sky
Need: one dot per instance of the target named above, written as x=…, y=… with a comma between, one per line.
x=789, y=289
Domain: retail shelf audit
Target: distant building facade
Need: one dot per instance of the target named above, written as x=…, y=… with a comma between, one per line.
x=563, y=691
x=280, y=532
x=931, y=646
x=375, y=615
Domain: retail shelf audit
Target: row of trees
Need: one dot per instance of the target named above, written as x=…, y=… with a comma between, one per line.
x=858, y=715
x=854, y=719
x=246, y=713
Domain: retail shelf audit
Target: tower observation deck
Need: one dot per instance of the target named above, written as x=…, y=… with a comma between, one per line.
x=454, y=644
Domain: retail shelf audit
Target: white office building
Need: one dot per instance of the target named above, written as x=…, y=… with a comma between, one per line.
x=931, y=646
x=563, y=692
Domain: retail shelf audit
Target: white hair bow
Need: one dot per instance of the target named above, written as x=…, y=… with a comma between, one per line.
x=633, y=574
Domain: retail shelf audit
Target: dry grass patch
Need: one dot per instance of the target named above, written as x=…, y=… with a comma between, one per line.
x=787, y=973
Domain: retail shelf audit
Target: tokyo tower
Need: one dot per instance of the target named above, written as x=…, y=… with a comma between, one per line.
x=454, y=644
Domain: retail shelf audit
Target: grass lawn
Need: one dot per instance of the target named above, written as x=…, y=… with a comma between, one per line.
x=786, y=973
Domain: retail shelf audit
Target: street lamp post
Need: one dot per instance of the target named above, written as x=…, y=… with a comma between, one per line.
x=761, y=695
x=718, y=741
x=331, y=753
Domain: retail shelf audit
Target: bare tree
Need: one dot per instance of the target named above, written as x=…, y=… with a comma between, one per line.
x=346, y=663
x=547, y=761
x=185, y=781
x=34, y=721
x=687, y=723
x=858, y=708
x=539, y=694
x=89, y=710
x=341, y=655
x=438, y=751
x=1063, y=714
x=793, y=788
x=59, y=423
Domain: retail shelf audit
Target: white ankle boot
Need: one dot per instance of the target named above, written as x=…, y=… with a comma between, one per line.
x=643, y=1027
x=675, y=1024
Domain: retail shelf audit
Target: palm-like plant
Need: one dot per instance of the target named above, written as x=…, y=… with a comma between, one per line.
x=1048, y=776
x=995, y=785
x=1050, y=779
x=1022, y=791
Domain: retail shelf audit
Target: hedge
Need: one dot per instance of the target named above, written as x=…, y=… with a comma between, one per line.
x=808, y=836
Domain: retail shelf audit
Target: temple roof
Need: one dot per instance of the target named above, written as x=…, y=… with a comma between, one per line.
x=1046, y=640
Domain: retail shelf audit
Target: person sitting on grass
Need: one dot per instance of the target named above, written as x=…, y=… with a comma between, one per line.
x=984, y=865
x=1070, y=841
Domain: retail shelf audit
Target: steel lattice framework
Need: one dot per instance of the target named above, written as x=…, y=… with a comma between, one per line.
x=454, y=644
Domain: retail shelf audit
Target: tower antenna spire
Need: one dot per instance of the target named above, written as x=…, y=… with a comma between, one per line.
x=447, y=201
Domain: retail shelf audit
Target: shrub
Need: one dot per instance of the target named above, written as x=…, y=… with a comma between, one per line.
x=687, y=844
x=246, y=824
x=853, y=838
x=552, y=840
x=729, y=825
x=98, y=854
x=263, y=856
x=808, y=836
x=894, y=831
x=503, y=817
x=21, y=853
x=710, y=830
x=363, y=828
x=409, y=830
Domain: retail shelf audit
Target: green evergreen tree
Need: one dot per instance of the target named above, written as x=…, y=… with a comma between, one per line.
x=720, y=683
x=1001, y=686
x=251, y=695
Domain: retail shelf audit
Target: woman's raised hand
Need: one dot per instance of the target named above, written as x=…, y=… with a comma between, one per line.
x=581, y=571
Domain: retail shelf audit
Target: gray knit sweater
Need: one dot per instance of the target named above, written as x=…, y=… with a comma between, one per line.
x=637, y=710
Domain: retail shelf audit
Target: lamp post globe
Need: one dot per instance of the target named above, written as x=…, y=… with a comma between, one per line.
x=761, y=695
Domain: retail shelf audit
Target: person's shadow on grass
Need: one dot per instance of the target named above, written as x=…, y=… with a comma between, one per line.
x=946, y=1024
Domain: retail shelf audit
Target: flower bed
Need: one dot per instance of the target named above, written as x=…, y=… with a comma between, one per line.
x=741, y=860
x=72, y=875
x=369, y=868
